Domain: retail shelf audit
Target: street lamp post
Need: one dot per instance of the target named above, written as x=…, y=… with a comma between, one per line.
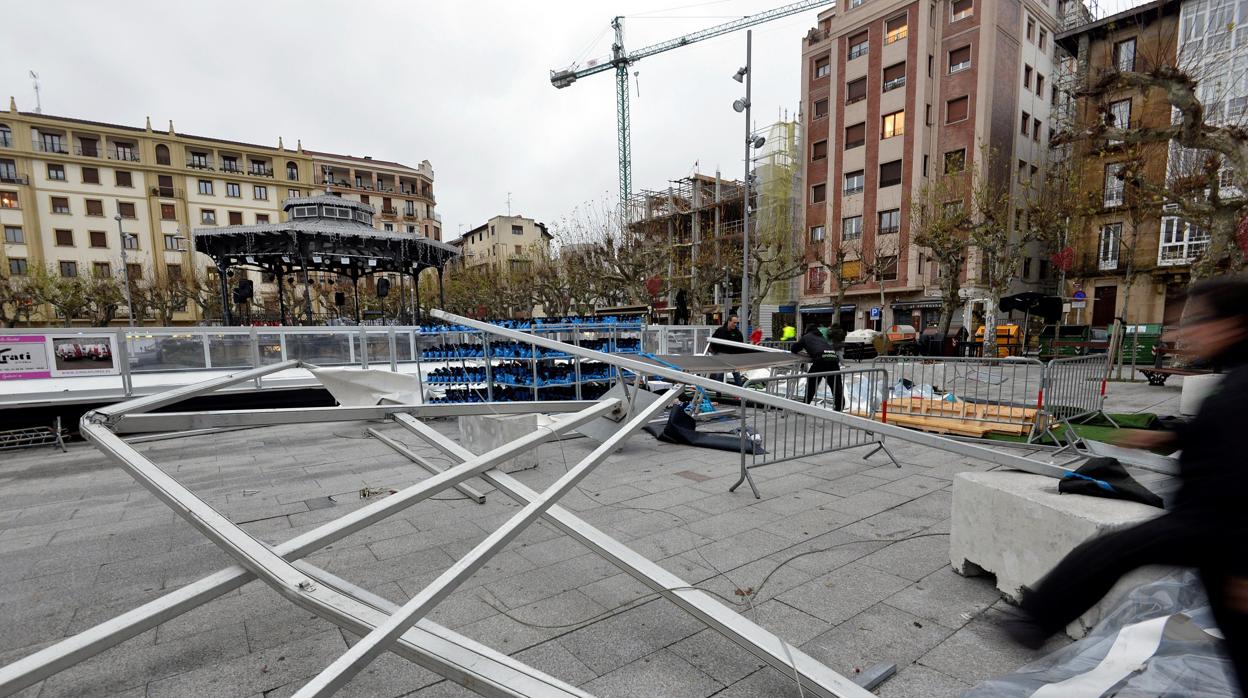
x=125, y=268
x=743, y=105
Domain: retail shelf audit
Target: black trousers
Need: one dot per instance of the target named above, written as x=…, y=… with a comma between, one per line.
x=834, y=382
x=1088, y=573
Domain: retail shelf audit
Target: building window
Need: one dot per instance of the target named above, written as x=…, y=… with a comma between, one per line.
x=64, y=238
x=1024, y=124
x=292, y=171
x=1044, y=35
x=895, y=29
x=1035, y=130
x=1107, y=249
x=894, y=77
x=815, y=278
x=893, y=124
x=816, y=233
x=1124, y=56
x=95, y=207
x=890, y=221
x=174, y=272
x=389, y=227
x=959, y=59
x=890, y=173
x=13, y=235
x=851, y=227
x=235, y=217
x=294, y=194
x=198, y=161
x=125, y=209
x=888, y=268
x=303, y=211
x=261, y=167
x=100, y=270
x=819, y=150
x=1027, y=77
x=162, y=154
x=856, y=91
x=229, y=163
x=260, y=192
x=1039, y=85
x=855, y=135
x=69, y=270
x=56, y=173
x=961, y=10
x=818, y=193
x=51, y=143
x=823, y=67
x=1031, y=29
x=17, y=266
x=90, y=175
x=821, y=108
x=6, y=136
x=1022, y=171
x=60, y=204
x=1119, y=116
x=955, y=161
x=1114, y=186
x=854, y=182
x=168, y=212
x=858, y=45
x=232, y=190
x=205, y=187
x=171, y=243
x=957, y=109
x=1181, y=242
x=517, y=230
x=134, y=271
x=98, y=238
x=8, y=171
x=8, y=199
x=207, y=216
x=123, y=178
x=262, y=218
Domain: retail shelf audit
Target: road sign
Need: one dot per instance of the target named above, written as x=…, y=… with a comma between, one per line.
x=1080, y=296
x=875, y=313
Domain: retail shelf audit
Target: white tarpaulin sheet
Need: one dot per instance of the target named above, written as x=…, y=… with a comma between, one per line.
x=358, y=387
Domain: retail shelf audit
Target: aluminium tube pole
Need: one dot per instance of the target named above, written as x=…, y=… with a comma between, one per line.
x=125, y=269
x=744, y=310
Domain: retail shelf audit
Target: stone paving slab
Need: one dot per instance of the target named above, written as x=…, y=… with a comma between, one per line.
x=80, y=542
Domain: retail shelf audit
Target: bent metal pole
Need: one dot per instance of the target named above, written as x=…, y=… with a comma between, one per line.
x=1008, y=460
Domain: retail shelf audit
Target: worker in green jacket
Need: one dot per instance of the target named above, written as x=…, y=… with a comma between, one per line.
x=788, y=334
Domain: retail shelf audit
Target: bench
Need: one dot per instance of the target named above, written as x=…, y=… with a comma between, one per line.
x=1157, y=374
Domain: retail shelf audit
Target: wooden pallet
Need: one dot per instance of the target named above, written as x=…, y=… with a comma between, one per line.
x=960, y=418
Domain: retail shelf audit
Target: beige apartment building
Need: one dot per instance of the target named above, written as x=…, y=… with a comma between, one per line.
x=895, y=92
x=63, y=182
x=509, y=243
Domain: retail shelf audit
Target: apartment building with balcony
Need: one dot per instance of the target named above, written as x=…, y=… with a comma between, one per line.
x=64, y=180
x=1123, y=223
x=402, y=195
x=894, y=93
x=508, y=243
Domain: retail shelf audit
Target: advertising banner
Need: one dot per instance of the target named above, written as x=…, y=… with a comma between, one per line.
x=23, y=357
x=83, y=355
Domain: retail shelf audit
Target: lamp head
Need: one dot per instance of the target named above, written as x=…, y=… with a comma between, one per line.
x=740, y=105
x=758, y=141
x=740, y=76
x=117, y=217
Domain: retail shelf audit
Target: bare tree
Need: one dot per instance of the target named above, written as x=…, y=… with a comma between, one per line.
x=880, y=267
x=842, y=260
x=941, y=224
x=17, y=302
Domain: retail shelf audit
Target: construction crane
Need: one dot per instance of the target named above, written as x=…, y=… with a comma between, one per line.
x=620, y=60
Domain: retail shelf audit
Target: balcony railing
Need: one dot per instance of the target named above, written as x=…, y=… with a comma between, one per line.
x=410, y=215
x=51, y=147
x=125, y=155
x=167, y=192
x=389, y=212
x=13, y=178
x=260, y=171
x=231, y=167
x=86, y=151
x=199, y=164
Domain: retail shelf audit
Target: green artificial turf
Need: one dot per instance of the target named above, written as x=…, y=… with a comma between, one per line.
x=1096, y=429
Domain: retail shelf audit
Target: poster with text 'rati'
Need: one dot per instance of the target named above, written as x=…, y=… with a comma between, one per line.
x=24, y=356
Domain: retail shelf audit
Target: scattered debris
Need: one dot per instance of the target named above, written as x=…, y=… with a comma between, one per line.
x=367, y=492
x=248, y=493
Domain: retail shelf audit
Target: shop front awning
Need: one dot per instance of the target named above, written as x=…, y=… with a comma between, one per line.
x=924, y=304
x=829, y=308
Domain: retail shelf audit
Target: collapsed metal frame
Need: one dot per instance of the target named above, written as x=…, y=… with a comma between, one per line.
x=382, y=625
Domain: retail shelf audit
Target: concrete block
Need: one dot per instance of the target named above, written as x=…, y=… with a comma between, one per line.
x=482, y=433
x=1018, y=527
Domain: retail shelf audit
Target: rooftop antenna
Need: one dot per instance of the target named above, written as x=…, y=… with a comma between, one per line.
x=509, y=204
x=38, y=105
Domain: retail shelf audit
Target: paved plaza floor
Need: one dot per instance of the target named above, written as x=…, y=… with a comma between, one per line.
x=80, y=542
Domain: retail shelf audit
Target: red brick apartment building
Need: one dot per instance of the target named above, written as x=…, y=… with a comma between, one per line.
x=893, y=92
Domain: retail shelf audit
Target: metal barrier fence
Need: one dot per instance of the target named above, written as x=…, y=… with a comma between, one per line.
x=965, y=396
x=1074, y=389
x=770, y=435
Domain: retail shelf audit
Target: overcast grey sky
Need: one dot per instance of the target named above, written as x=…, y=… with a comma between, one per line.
x=462, y=84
